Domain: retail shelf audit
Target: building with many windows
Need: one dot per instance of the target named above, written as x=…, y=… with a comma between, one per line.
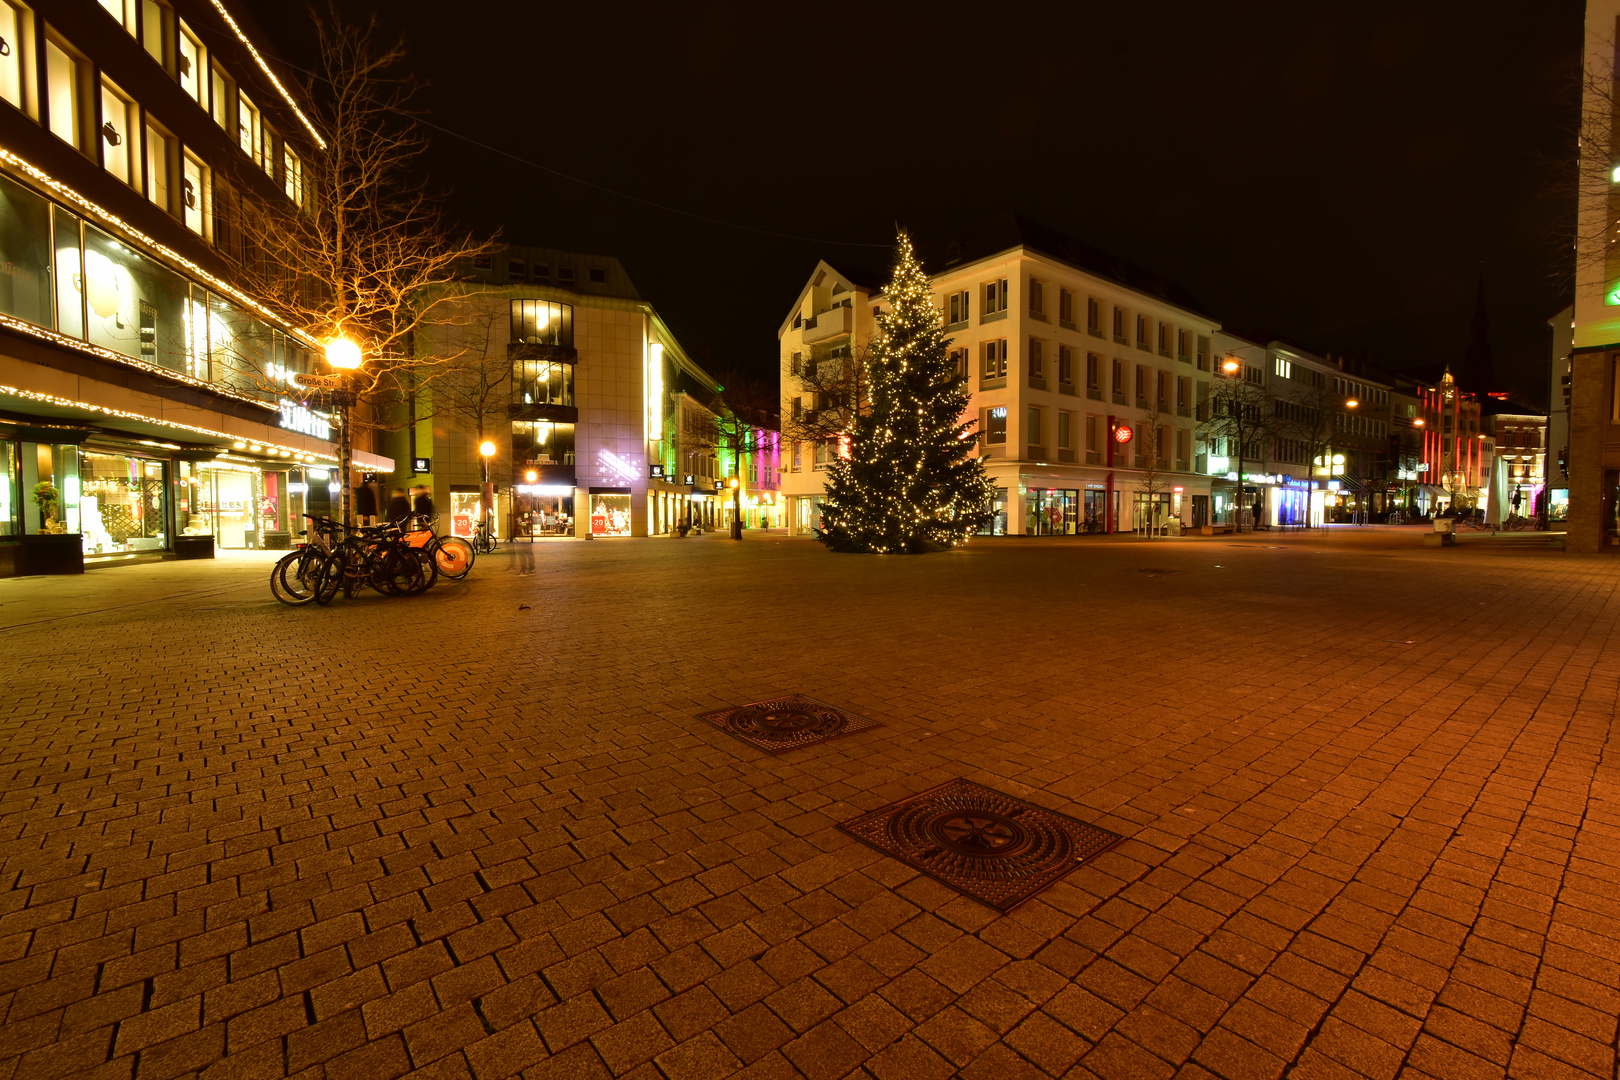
x=1518, y=467
x=146, y=401
x=594, y=410
x=1080, y=367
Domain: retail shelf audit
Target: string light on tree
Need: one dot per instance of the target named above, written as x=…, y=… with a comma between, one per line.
x=908, y=483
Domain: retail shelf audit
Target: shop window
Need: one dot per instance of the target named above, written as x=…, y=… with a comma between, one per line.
x=195, y=193
x=220, y=99
x=541, y=442
x=136, y=307
x=157, y=167
x=118, y=127
x=152, y=36
x=49, y=475
x=62, y=93
x=610, y=515
x=10, y=482
x=192, y=66
x=538, y=382
x=69, y=276
x=240, y=349
x=540, y=322
x=121, y=504
x=14, y=32
x=25, y=252
x=292, y=175
x=247, y=126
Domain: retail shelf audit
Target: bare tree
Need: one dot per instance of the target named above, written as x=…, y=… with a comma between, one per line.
x=1152, y=481
x=359, y=248
x=1242, y=416
x=833, y=389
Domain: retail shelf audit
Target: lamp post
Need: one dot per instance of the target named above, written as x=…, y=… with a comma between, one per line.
x=486, y=499
x=1232, y=368
x=344, y=356
x=736, y=508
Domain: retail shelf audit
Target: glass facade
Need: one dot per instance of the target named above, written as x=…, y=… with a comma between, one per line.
x=541, y=322
x=541, y=442
x=25, y=255
x=121, y=503
x=1052, y=512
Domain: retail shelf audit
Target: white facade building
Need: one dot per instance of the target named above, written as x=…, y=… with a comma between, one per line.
x=1077, y=362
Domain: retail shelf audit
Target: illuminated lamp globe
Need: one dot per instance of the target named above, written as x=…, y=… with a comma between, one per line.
x=343, y=354
x=486, y=448
x=1231, y=367
x=531, y=476
x=1352, y=403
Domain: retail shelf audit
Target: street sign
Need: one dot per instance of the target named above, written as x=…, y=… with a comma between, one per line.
x=421, y=465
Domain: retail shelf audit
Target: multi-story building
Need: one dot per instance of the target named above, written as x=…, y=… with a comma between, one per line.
x=1317, y=447
x=1084, y=372
x=1518, y=467
x=1456, y=451
x=146, y=401
x=592, y=407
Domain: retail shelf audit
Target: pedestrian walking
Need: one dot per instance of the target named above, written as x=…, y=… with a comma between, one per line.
x=525, y=558
x=1259, y=508
x=399, y=507
x=365, y=504
x=422, y=502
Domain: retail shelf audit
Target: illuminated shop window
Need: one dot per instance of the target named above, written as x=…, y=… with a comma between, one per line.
x=610, y=515
x=157, y=167
x=192, y=64
x=195, y=195
x=136, y=307
x=247, y=126
x=12, y=32
x=25, y=253
x=62, y=93
x=119, y=147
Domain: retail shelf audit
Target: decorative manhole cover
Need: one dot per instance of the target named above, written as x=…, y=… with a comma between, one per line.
x=992, y=847
x=788, y=722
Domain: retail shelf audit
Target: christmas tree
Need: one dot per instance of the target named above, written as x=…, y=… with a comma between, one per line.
x=910, y=482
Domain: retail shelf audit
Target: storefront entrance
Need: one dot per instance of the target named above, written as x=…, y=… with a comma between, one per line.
x=1052, y=512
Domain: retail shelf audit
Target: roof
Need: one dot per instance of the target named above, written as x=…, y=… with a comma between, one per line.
x=1011, y=231
x=1493, y=406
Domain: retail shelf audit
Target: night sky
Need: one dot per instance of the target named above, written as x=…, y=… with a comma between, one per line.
x=1336, y=175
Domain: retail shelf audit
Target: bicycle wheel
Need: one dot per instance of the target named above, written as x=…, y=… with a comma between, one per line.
x=329, y=578
x=453, y=557
x=427, y=571
x=291, y=579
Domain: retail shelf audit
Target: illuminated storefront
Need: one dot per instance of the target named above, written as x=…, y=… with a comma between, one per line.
x=610, y=512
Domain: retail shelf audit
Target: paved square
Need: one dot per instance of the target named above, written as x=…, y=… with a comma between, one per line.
x=1368, y=793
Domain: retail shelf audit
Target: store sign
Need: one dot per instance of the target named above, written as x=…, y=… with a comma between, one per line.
x=688, y=479
x=1123, y=434
x=370, y=478
x=719, y=485
x=421, y=465
x=1423, y=466
x=305, y=421
x=655, y=472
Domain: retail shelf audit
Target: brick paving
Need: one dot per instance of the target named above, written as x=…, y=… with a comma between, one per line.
x=1367, y=790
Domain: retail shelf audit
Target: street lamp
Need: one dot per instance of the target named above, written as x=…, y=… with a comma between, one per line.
x=486, y=450
x=736, y=508
x=344, y=356
x=1231, y=367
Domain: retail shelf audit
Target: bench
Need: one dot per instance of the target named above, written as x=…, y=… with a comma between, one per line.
x=1213, y=530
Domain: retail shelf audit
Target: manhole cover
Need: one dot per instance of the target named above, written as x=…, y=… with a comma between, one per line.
x=991, y=847
x=788, y=722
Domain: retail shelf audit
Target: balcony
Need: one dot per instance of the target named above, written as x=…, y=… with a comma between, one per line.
x=828, y=325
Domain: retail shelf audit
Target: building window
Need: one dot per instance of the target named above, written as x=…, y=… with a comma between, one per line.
x=152, y=36
x=796, y=459
x=292, y=175
x=957, y=307
x=995, y=424
x=1203, y=353
x=1065, y=365
x=14, y=26
x=1093, y=438
x=157, y=167
x=119, y=147
x=1120, y=387
x=517, y=269
x=1037, y=298
x=1035, y=427
x=1093, y=374
x=221, y=97
x=1283, y=368
x=995, y=296
x=123, y=11
x=1093, y=316
x=1065, y=431
x=195, y=195
x=1037, y=359
x=1119, y=325
x=192, y=64
x=1166, y=333
x=267, y=149
x=995, y=359
x=1065, y=307
x=1184, y=396
x=565, y=275
x=598, y=275
x=247, y=127
x=1141, y=331
x=1183, y=343
x=540, y=322
x=796, y=364
x=62, y=93
x=959, y=362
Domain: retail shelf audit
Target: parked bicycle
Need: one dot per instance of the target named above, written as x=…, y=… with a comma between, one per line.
x=1397, y=517
x=484, y=539
x=453, y=555
x=338, y=557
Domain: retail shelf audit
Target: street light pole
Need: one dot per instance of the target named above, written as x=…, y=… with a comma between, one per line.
x=486, y=497
x=344, y=355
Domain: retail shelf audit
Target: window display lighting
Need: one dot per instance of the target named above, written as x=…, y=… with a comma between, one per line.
x=51, y=336
x=52, y=399
x=264, y=67
x=163, y=250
